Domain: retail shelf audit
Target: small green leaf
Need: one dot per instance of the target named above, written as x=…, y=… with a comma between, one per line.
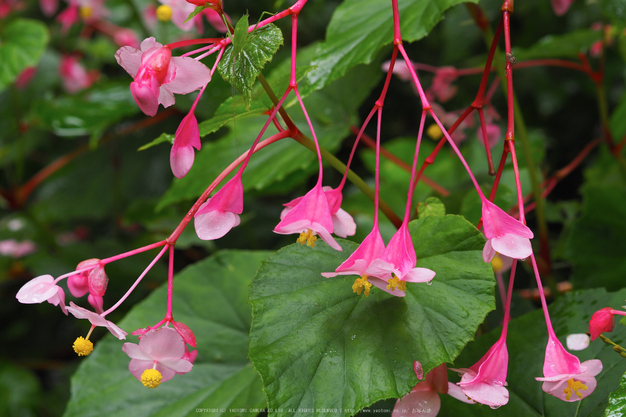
x=164, y=137
x=317, y=345
x=617, y=400
x=431, y=207
x=209, y=297
x=623, y=321
x=240, y=37
x=197, y=11
x=242, y=63
x=22, y=43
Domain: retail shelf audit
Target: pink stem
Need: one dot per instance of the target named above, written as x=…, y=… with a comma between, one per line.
x=409, y=198
x=507, y=305
x=132, y=252
x=544, y=304
x=170, y=285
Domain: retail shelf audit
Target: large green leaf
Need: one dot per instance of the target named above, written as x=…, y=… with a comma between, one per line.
x=22, y=43
x=359, y=28
x=568, y=45
x=617, y=400
x=526, y=343
x=317, y=345
x=210, y=297
x=242, y=64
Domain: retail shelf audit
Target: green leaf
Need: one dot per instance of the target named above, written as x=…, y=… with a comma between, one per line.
x=197, y=11
x=527, y=337
x=88, y=113
x=209, y=297
x=617, y=121
x=316, y=344
x=568, y=45
x=241, y=65
x=22, y=43
x=623, y=321
x=163, y=138
x=617, y=400
x=431, y=207
x=359, y=28
x=240, y=37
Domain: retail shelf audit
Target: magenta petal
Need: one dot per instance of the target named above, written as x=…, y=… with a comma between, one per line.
x=228, y=198
x=371, y=248
x=188, y=133
x=215, y=224
x=513, y=246
x=558, y=361
x=400, y=252
x=181, y=160
x=496, y=222
x=145, y=98
x=37, y=290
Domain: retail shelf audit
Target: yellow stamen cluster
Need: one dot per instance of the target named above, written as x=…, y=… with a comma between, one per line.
x=395, y=282
x=361, y=283
x=151, y=378
x=572, y=388
x=85, y=12
x=497, y=263
x=307, y=237
x=434, y=132
x=164, y=13
x=82, y=346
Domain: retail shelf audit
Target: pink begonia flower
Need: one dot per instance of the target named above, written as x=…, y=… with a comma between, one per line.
x=423, y=400
x=15, y=249
x=96, y=320
x=186, y=138
x=358, y=262
x=601, y=322
x=442, y=87
x=41, y=289
x=343, y=223
x=564, y=376
x=504, y=234
x=180, y=12
x=158, y=349
x=94, y=281
x=494, y=133
x=560, y=7
x=220, y=213
x=49, y=7
x=398, y=259
x=577, y=341
x=158, y=75
x=68, y=17
x=484, y=382
x=74, y=76
x=310, y=217
x=126, y=37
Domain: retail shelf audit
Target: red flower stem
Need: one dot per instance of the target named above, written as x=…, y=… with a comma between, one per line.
x=170, y=285
x=377, y=167
x=413, y=182
x=189, y=42
x=377, y=106
x=507, y=304
x=137, y=281
x=480, y=95
x=368, y=141
x=171, y=240
x=132, y=252
x=483, y=127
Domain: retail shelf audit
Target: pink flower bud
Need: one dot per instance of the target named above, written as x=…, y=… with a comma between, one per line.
x=601, y=322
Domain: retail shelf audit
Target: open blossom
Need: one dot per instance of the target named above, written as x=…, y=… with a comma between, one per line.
x=74, y=76
x=186, y=138
x=564, y=376
x=157, y=357
x=158, y=76
x=41, y=289
x=309, y=217
x=484, y=382
x=398, y=259
x=423, y=400
x=504, y=234
x=221, y=212
x=180, y=11
x=359, y=261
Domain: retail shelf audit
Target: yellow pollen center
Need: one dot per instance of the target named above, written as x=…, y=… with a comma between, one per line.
x=396, y=282
x=434, y=132
x=151, y=378
x=361, y=283
x=497, y=263
x=164, y=13
x=82, y=346
x=572, y=388
x=307, y=238
x=85, y=12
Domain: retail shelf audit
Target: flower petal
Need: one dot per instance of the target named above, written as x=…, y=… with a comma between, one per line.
x=513, y=246
x=215, y=224
x=419, y=275
x=37, y=290
x=191, y=75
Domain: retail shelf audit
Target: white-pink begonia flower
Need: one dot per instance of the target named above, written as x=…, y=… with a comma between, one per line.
x=96, y=320
x=158, y=76
x=504, y=234
x=161, y=350
x=220, y=213
x=40, y=289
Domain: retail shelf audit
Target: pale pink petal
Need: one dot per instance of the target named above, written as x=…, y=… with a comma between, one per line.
x=326, y=236
x=457, y=392
x=97, y=281
x=343, y=224
x=577, y=341
x=96, y=320
x=137, y=367
x=215, y=224
x=37, y=290
x=513, y=246
x=491, y=394
x=419, y=275
x=181, y=160
x=166, y=373
x=136, y=352
x=177, y=365
x=149, y=43
x=382, y=284
x=163, y=343
x=591, y=367
x=418, y=403
x=166, y=98
x=191, y=75
x=488, y=251
x=129, y=58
